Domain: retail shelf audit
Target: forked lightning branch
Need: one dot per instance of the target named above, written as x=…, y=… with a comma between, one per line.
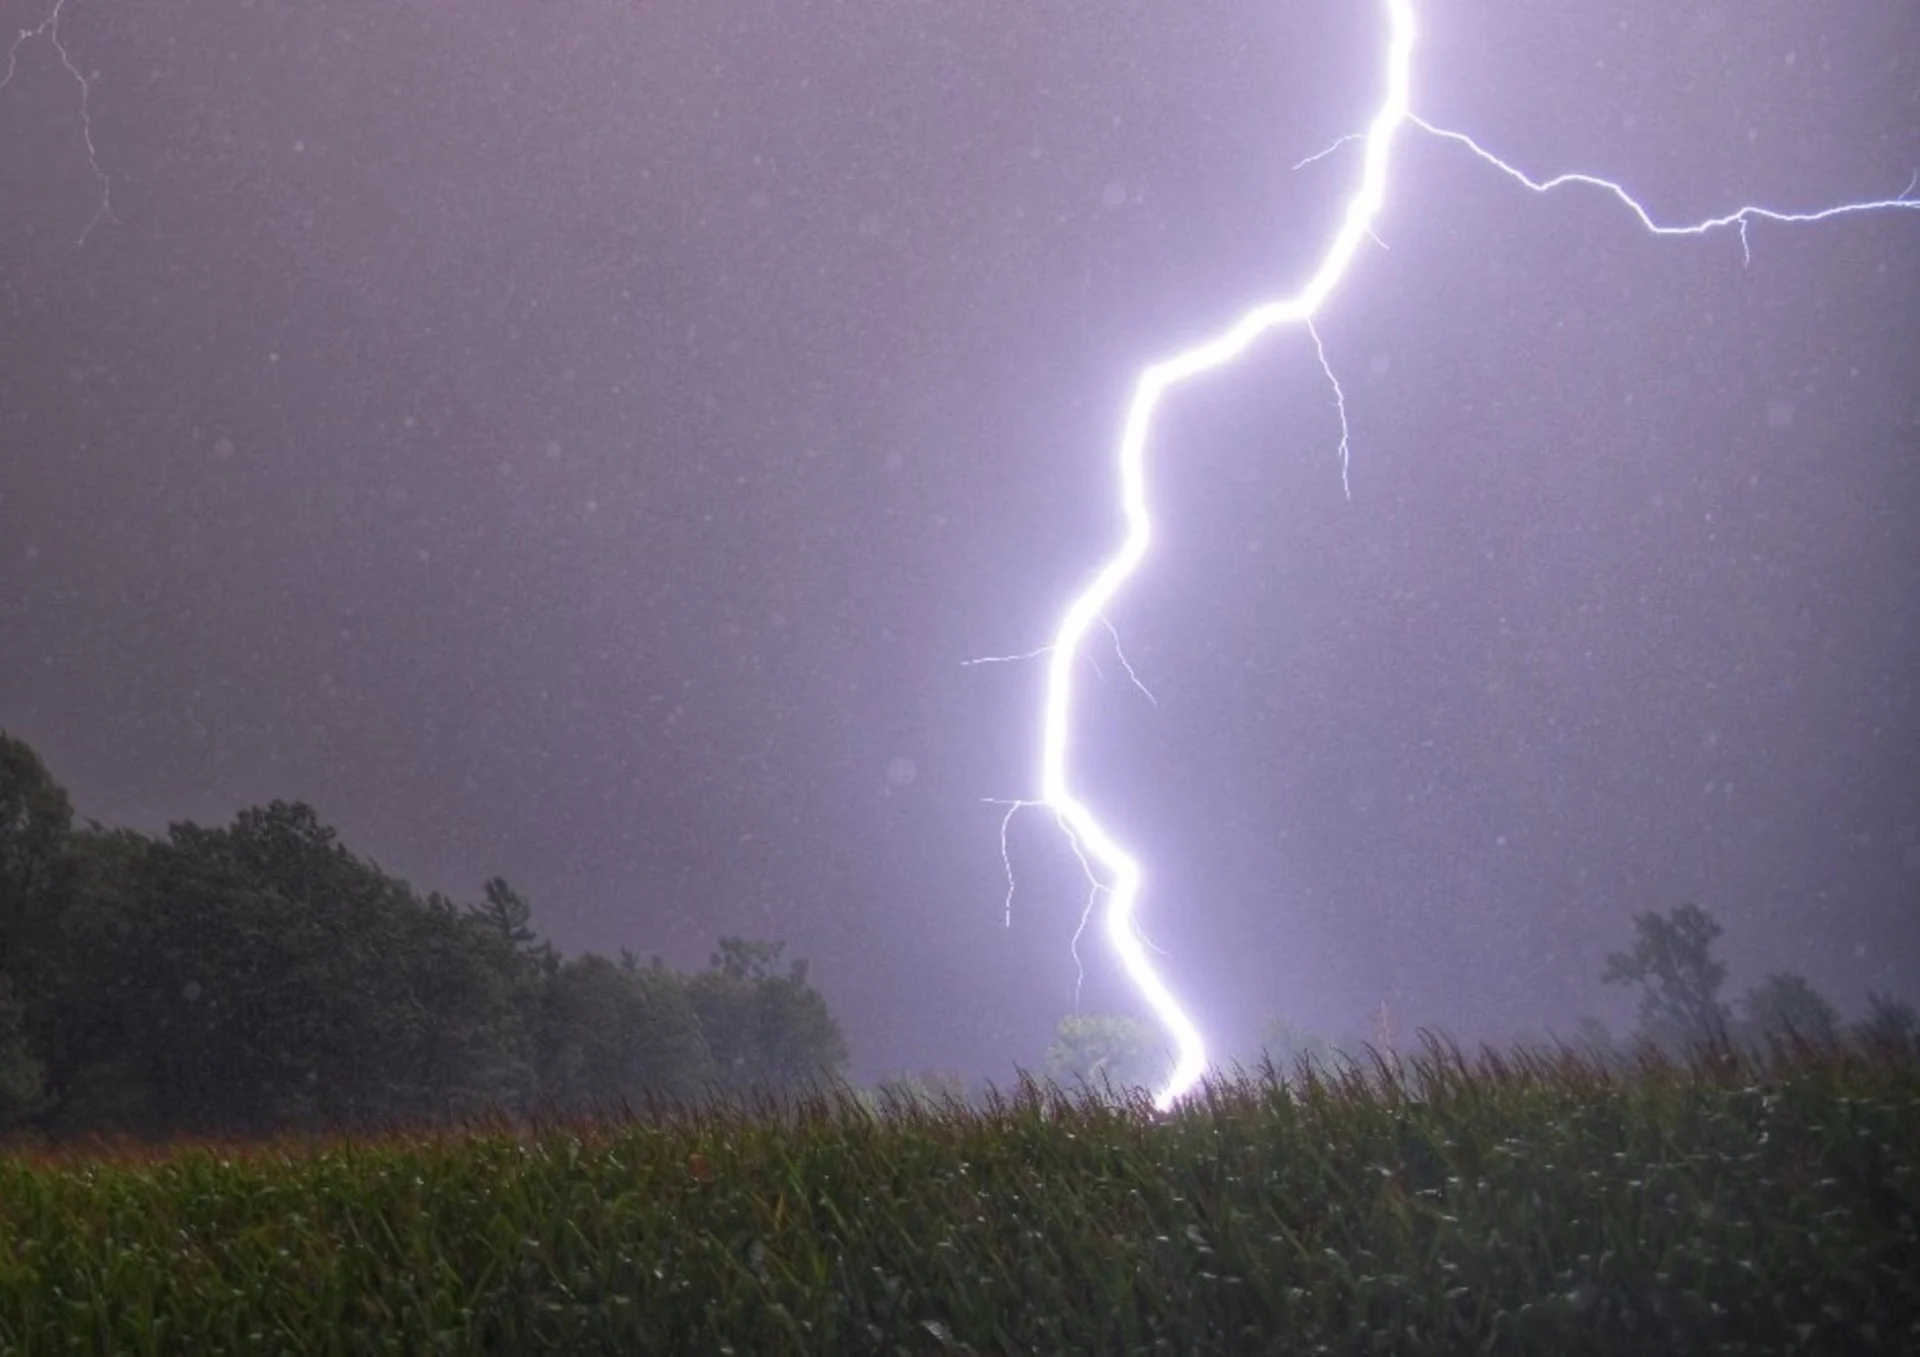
x=48, y=31
x=1113, y=870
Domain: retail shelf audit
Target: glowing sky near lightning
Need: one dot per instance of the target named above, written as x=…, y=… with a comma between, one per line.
x=1116, y=871
x=578, y=444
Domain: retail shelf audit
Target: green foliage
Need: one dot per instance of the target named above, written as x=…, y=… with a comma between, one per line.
x=767, y=1032
x=84, y=1009
x=278, y=980
x=1514, y=1205
x=1672, y=963
x=748, y=959
x=35, y=820
x=22, y=1086
x=506, y=914
x=1099, y=1051
x=619, y=1034
x=261, y=977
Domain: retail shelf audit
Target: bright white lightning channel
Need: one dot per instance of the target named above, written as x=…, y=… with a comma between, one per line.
x=1114, y=869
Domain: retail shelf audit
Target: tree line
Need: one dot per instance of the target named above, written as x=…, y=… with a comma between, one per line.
x=260, y=977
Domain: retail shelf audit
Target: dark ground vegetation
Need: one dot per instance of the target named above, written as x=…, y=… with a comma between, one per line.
x=1527, y=1203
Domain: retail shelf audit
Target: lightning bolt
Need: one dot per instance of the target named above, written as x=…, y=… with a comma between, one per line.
x=1113, y=870
x=49, y=28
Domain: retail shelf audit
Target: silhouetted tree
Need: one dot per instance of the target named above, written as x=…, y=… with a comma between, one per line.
x=82, y=1008
x=277, y=979
x=506, y=912
x=475, y=992
x=612, y=1034
x=35, y=821
x=800, y=1042
x=22, y=1087
x=751, y=959
x=260, y=975
x=1672, y=963
x=767, y=1031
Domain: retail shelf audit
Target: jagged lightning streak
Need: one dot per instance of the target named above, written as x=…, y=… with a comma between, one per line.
x=1112, y=868
x=1740, y=217
x=49, y=28
x=1118, y=870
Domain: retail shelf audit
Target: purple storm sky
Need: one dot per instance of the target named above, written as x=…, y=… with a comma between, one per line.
x=583, y=441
